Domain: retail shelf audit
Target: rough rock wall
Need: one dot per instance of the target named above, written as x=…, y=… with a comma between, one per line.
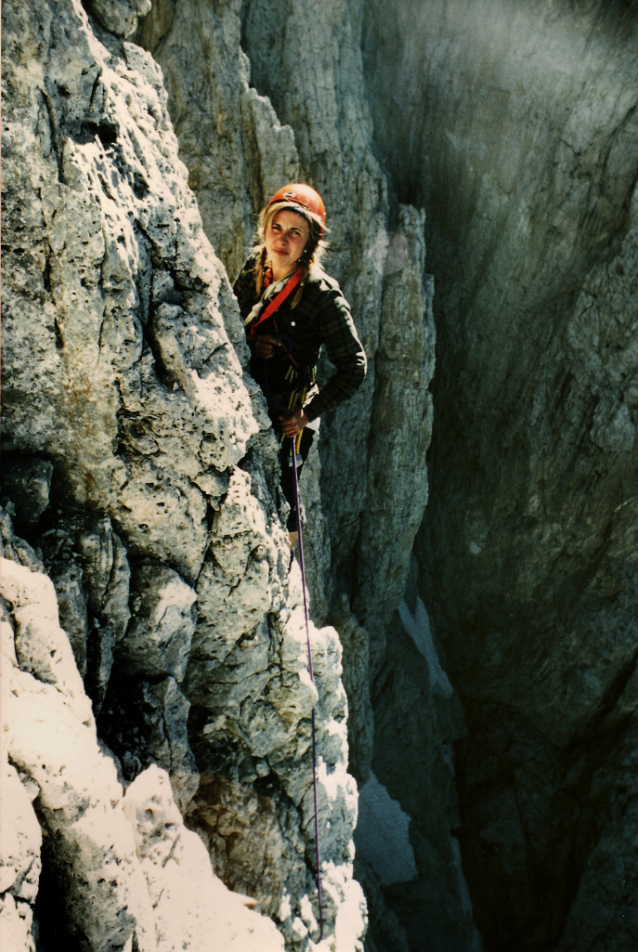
x=238, y=150
x=138, y=460
x=515, y=126
x=122, y=865
x=247, y=117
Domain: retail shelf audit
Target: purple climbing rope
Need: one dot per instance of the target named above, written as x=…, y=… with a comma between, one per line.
x=310, y=671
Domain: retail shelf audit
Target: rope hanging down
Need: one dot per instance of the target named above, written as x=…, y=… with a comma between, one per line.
x=310, y=671
x=287, y=410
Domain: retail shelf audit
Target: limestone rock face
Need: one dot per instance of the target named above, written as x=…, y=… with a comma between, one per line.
x=50, y=738
x=193, y=909
x=516, y=129
x=320, y=130
x=20, y=862
x=126, y=416
x=491, y=144
x=307, y=117
x=119, y=16
x=230, y=138
x=98, y=305
x=122, y=869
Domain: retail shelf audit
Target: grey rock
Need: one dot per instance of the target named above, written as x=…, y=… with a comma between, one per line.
x=68, y=579
x=356, y=681
x=515, y=132
x=97, y=397
x=20, y=860
x=15, y=548
x=89, y=567
x=132, y=366
x=269, y=148
x=132, y=360
x=192, y=907
x=28, y=483
x=51, y=739
x=235, y=148
x=41, y=647
x=421, y=880
x=119, y=16
x=129, y=873
x=158, y=640
x=146, y=723
x=523, y=152
x=244, y=839
x=401, y=428
x=21, y=863
x=378, y=254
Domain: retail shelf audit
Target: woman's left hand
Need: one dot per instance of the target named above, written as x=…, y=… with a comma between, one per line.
x=294, y=424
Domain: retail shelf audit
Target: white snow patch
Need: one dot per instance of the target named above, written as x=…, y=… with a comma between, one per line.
x=382, y=835
x=417, y=626
x=466, y=901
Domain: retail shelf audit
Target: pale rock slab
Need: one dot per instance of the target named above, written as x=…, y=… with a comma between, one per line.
x=146, y=722
x=20, y=860
x=41, y=647
x=16, y=925
x=49, y=735
x=193, y=909
x=108, y=207
x=137, y=395
x=15, y=548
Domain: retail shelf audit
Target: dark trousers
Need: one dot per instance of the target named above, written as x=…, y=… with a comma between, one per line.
x=287, y=474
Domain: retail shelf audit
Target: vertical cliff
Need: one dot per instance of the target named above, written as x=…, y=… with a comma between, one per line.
x=253, y=107
x=515, y=126
x=139, y=463
x=157, y=696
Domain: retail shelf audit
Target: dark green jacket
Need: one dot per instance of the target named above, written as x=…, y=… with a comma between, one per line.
x=321, y=317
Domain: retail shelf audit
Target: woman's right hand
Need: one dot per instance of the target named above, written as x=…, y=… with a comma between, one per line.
x=263, y=345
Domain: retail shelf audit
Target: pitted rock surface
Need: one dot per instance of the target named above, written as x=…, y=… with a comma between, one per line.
x=493, y=146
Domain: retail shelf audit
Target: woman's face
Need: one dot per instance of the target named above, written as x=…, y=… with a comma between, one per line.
x=286, y=238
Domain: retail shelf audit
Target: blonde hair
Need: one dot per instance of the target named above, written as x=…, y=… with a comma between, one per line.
x=313, y=252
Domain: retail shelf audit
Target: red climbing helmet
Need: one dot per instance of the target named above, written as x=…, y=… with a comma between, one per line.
x=304, y=196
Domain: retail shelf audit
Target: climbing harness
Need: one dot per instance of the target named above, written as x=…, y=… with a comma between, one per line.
x=310, y=672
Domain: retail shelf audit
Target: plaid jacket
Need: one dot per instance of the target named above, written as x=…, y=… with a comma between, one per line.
x=321, y=317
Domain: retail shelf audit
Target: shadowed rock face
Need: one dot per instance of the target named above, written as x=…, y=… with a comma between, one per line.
x=515, y=126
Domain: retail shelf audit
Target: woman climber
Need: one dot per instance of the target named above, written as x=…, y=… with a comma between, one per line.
x=290, y=308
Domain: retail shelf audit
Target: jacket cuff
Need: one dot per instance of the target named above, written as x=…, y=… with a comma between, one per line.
x=312, y=411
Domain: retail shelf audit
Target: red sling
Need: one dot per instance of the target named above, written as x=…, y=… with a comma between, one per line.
x=278, y=299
